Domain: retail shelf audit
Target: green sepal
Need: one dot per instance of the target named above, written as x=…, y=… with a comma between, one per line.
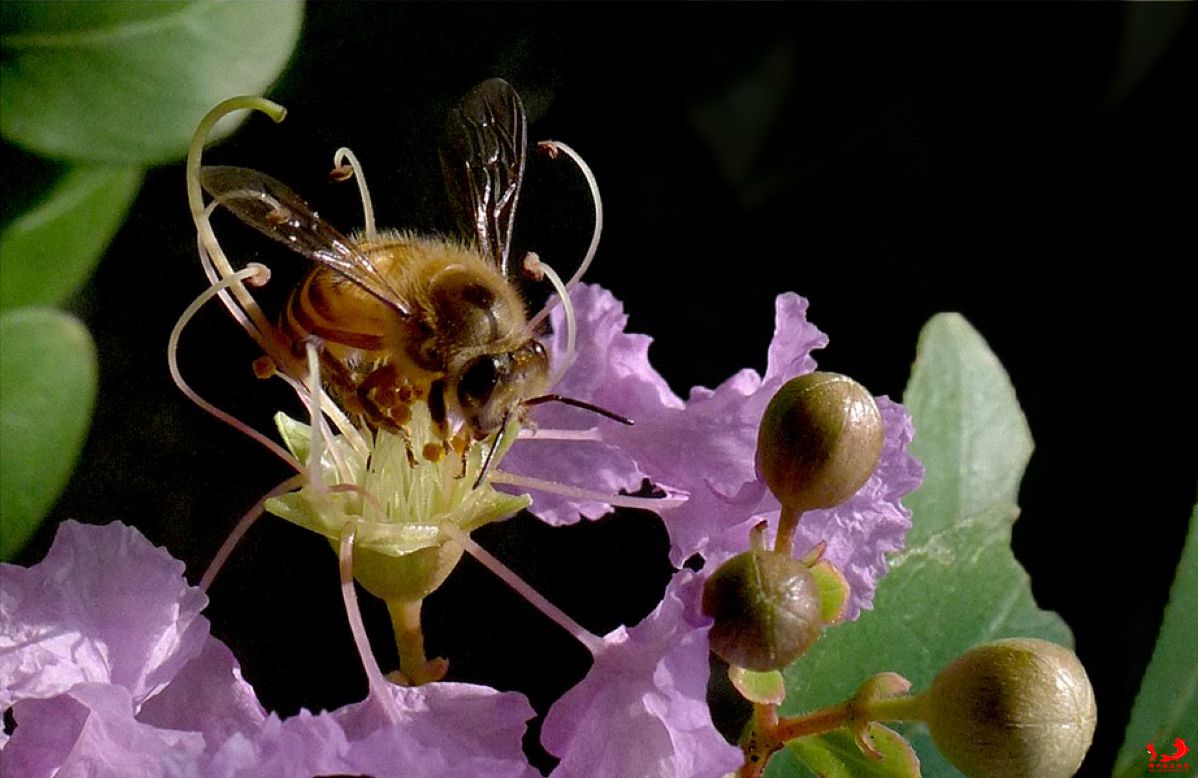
x=834, y=591
x=764, y=688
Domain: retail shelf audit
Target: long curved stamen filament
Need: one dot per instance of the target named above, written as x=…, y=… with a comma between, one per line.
x=252, y=271
x=534, y=265
x=226, y=299
x=243, y=525
x=374, y=676
x=554, y=148
x=575, y=493
x=592, y=643
x=195, y=201
x=216, y=264
x=343, y=154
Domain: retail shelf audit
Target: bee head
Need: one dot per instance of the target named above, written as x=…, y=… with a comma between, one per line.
x=492, y=385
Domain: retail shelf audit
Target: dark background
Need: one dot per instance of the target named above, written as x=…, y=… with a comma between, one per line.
x=1030, y=167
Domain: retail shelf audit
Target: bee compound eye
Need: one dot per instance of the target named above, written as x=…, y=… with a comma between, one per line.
x=478, y=382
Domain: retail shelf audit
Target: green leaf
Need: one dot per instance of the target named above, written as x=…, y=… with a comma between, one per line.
x=836, y=755
x=47, y=391
x=48, y=252
x=957, y=584
x=1167, y=704
x=128, y=82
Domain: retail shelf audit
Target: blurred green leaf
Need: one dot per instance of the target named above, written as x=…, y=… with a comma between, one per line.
x=48, y=380
x=957, y=584
x=1167, y=705
x=50, y=251
x=128, y=82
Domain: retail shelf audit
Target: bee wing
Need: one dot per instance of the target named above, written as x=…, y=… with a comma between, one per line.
x=268, y=206
x=482, y=153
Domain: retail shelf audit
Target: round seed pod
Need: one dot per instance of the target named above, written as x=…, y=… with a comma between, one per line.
x=1013, y=708
x=766, y=608
x=819, y=441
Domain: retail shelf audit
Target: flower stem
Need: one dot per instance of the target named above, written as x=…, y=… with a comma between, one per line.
x=788, y=521
x=771, y=734
x=409, y=639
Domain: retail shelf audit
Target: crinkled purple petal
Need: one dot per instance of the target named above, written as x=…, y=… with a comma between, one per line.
x=694, y=447
x=642, y=708
x=704, y=447
x=105, y=606
x=90, y=731
x=455, y=730
x=304, y=744
x=208, y=696
x=612, y=370
x=710, y=449
x=451, y=730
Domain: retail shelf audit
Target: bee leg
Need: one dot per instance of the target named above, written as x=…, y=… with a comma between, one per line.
x=461, y=444
x=407, y=442
x=438, y=411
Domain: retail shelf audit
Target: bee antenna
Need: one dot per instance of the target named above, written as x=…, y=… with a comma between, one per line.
x=343, y=154
x=586, y=406
x=499, y=436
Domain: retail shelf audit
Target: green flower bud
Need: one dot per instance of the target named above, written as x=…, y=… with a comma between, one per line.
x=1016, y=707
x=820, y=440
x=766, y=607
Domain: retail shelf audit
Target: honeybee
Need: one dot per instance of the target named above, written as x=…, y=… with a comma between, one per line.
x=401, y=318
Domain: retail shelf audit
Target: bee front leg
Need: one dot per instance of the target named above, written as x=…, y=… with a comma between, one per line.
x=438, y=411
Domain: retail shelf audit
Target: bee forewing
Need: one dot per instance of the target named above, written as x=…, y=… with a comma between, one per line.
x=482, y=153
x=270, y=207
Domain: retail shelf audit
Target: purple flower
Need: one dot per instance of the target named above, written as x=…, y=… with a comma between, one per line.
x=706, y=447
x=91, y=730
x=642, y=708
x=110, y=670
x=103, y=607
